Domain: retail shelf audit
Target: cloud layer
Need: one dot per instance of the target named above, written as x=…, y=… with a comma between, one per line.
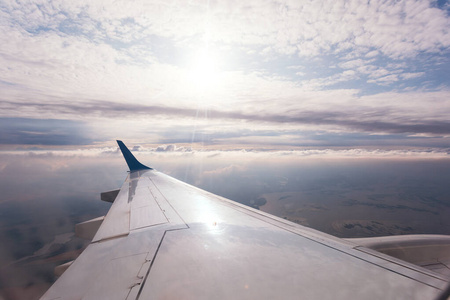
x=284, y=69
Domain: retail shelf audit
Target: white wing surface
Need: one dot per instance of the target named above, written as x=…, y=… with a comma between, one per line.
x=164, y=239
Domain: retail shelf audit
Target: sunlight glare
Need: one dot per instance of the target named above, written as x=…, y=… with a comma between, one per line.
x=204, y=73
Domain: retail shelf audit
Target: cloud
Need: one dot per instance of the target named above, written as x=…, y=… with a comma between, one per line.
x=396, y=29
x=351, y=64
x=231, y=160
x=172, y=148
x=412, y=75
x=372, y=71
x=338, y=66
x=331, y=110
x=43, y=132
x=372, y=54
x=385, y=79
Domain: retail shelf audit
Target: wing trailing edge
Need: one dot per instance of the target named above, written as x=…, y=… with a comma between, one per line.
x=132, y=162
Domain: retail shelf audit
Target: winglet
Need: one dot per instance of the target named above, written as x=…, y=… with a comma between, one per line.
x=132, y=162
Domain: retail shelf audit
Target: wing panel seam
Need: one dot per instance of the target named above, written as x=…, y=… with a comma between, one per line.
x=154, y=258
x=168, y=202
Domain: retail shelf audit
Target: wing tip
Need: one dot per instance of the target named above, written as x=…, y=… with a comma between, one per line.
x=132, y=162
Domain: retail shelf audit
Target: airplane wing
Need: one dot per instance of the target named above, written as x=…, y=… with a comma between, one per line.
x=165, y=239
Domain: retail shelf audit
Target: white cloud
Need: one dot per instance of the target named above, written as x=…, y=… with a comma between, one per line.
x=72, y=60
x=296, y=67
x=227, y=155
x=396, y=29
x=412, y=75
x=384, y=79
x=351, y=64
x=392, y=72
x=372, y=54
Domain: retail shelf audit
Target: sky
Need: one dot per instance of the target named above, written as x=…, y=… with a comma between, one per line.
x=249, y=74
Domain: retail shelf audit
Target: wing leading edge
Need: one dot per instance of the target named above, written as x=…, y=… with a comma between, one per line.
x=163, y=238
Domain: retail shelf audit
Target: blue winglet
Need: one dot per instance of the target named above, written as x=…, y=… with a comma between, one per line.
x=132, y=162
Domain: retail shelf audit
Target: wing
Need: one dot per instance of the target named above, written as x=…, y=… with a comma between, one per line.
x=165, y=239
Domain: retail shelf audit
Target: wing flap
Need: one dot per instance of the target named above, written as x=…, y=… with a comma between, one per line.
x=109, y=269
x=109, y=196
x=87, y=230
x=117, y=220
x=145, y=216
x=119, y=275
x=137, y=205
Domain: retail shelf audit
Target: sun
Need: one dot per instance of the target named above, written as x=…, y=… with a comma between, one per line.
x=204, y=73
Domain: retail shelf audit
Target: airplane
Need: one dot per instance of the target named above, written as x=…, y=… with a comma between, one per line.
x=165, y=239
